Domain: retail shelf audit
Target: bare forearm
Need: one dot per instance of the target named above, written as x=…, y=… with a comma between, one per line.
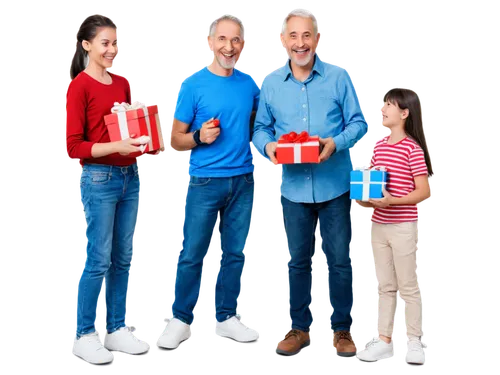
x=103, y=149
x=182, y=141
x=415, y=197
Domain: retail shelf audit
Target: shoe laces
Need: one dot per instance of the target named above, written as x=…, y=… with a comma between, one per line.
x=130, y=330
x=293, y=333
x=238, y=321
x=374, y=341
x=239, y=316
x=93, y=338
x=344, y=335
x=416, y=345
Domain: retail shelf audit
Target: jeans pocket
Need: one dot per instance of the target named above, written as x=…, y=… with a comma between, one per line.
x=199, y=181
x=99, y=178
x=249, y=178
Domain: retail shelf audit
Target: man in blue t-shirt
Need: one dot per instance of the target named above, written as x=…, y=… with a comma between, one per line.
x=212, y=118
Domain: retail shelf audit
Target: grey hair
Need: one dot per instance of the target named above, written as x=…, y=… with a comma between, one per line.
x=300, y=13
x=227, y=17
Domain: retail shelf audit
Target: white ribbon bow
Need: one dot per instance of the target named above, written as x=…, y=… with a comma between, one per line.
x=123, y=107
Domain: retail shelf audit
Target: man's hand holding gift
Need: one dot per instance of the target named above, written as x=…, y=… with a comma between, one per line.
x=327, y=146
x=271, y=151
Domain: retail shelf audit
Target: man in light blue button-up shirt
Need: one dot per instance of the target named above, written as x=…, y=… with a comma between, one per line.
x=307, y=94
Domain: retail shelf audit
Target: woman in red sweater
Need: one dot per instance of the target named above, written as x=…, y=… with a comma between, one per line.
x=109, y=188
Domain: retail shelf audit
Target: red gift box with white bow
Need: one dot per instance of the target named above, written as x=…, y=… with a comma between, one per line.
x=296, y=148
x=136, y=119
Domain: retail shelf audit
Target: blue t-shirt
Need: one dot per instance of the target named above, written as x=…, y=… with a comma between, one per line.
x=231, y=100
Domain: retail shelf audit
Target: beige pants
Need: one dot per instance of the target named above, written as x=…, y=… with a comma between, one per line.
x=394, y=250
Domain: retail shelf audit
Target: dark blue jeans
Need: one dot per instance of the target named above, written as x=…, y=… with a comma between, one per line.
x=110, y=197
x=335, y=228
x=232, y=198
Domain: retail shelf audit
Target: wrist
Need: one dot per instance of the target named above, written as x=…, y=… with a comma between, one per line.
x=113, y=147
x=268, y=148
x=196, y=138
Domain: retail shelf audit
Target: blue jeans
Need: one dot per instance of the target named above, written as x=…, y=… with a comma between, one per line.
x=232, y=198
x=110, y=197
x=335, y=228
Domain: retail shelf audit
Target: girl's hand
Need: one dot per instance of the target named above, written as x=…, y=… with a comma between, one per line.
x=383, y=202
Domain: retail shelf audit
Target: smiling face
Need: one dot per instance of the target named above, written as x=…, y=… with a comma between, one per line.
x=226, y=43
x=392, y=115
x=300, y=41
x=103, y=48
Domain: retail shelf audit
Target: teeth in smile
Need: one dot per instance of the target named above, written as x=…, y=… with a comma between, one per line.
x=227, y=55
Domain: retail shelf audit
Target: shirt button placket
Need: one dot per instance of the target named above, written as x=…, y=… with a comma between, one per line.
x=304, y=112
x=304, y=108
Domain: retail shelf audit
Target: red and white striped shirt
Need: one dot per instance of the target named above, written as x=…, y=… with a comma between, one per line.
x=403, y=161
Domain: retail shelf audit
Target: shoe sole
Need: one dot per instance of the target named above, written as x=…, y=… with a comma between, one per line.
x=172, y=348
x=238, y=342
x=415, y=363
x=164, y=349
x=123, y=351
x=346, y=354
x=224, y=334
x=287, y=355
x=375, y=360
x=94, y=364
x=138, y=355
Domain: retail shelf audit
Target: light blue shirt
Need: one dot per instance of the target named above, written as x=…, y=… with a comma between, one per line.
x=325, y=104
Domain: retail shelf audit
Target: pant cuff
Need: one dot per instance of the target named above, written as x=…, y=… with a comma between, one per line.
x=300, y=328
x=182, y=320
x=338, y=329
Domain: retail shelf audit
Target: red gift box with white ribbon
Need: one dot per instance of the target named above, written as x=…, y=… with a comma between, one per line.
x=296, y=148
x=137, y=119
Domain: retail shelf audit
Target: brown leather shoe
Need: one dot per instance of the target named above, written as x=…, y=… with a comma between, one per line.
x=293, y=342
x=343, y=342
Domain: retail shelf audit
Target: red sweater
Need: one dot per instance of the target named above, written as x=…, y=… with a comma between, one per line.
x=88, y=101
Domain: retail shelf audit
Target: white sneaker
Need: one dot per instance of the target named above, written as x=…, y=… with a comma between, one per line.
x=175, y=332
x=236, y=330
x=89, y=348
x=415, y=355
x=123, y=340
x=375, y=350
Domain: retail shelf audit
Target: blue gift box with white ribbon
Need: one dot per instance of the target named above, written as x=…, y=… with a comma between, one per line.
x=368, y=183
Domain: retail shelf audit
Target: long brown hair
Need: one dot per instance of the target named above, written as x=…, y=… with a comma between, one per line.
x=407, y=99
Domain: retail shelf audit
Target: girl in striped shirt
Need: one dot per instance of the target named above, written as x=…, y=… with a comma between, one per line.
x=394, y=230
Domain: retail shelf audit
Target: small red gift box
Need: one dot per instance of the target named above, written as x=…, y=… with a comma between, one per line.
x=295, y=148
x=135, y=119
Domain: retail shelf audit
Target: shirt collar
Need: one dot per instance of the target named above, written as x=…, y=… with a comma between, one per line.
x=318, y=67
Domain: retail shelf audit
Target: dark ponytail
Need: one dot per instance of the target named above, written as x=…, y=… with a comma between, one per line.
x=78, y=63
x=88, y=31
